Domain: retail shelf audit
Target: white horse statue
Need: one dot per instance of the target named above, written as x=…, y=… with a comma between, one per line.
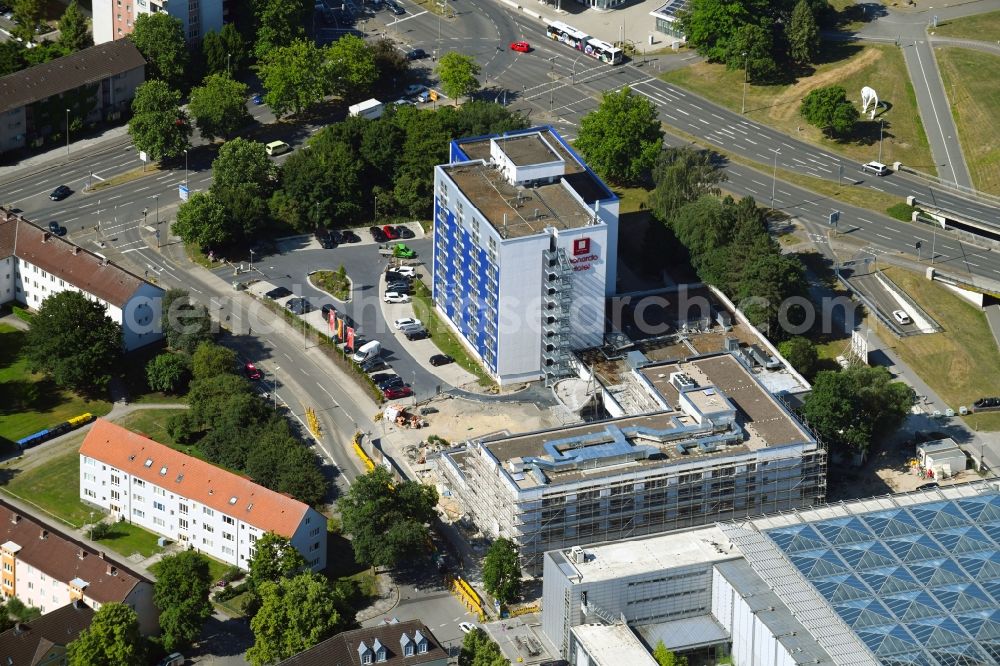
x=869, y=96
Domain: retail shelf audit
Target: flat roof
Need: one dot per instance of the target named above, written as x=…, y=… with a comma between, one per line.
x=535, y=146
x=620, y=559
x=610, y=645
x=685, y=634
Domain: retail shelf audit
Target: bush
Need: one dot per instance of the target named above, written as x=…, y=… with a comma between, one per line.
x=23, y=314
x=901, y=211
x=231, y=574
x=181, y=428
x=99, y=531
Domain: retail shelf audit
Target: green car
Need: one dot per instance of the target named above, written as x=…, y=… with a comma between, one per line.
x=400, y=251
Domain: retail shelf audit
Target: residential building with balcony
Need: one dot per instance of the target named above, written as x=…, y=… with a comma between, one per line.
x=115, y=19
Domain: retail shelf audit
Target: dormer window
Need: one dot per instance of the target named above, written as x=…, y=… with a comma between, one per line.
x=408, y=650
x=421, y=642
x=365, y=653
x=379, y=650
x=406, y=643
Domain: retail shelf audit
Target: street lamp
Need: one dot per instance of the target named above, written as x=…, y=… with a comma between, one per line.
x=274, y=387
x=185, y=167
x=67, y=133
x=228, y=57
x=746, y=78
x=881, y=126
x=774, y=176
x=144, y=211
x=376, y=210
x=250, y=270
x=156, y=198
x=573, y=74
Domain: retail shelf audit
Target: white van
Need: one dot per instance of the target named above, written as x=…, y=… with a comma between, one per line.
x=876, y=168
x=277, y=148
x=369, y=350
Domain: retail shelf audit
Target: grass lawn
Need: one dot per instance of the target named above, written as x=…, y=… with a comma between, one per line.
x=975, y=99
x=336, y=283
x=961, y=363
x=847, y=65
x=54, y=487
x=126, y=538
x=633, y=199
x=984, y=27
x=442, y=335
x=153, y=424
x=151, y=169
x=30, y=402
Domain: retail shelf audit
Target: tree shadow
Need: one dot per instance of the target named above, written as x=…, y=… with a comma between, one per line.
x=836, y=50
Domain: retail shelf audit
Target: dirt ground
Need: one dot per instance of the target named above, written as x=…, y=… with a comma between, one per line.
x=786, y=106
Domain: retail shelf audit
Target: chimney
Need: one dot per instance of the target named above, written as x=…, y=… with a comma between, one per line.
x=18, y=629
x=81, y=553
x=78, y=604
x=15, y=519
x=100, y=554
x=112, y=571
x=76, y=250
x=46, y=236
x=44, y=535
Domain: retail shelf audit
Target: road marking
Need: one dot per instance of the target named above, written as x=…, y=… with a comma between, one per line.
x=787, y=194
x=287, y=356
x=759, y=183
x=795, y=159
x=936, y=118
x=876, y=188
x=972, y=264
x=719, y=117
x=680, y=110
x=868, y=221
x=668, y=115
x=15, y=191
x=96, y=177
x=882, y=236
x=702, y=120
x=749, y=140
x=738, y=129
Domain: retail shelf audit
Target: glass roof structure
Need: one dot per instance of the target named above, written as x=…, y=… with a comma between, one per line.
x=918, y=584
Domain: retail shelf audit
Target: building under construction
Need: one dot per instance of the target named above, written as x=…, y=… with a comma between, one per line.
x=713, y=444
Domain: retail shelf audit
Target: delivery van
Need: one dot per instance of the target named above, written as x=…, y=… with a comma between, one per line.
x=368, y=351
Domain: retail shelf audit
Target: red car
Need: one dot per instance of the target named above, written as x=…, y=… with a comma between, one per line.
x=397, y=392
x=390, y=232
x=522, y=47
x=252, y=371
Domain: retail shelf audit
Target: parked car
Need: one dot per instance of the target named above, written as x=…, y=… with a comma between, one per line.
x=416, y=54
x=398, y=287
x=416, y=334
x=405, y=271
x=441, y=359
x=412, y=89
x=173, y=659
x=54, y=227
x=377, y=235
x=60, y=193
x=257, y=99
x=396, y=9
x=327, y=310
x=466, y=627
x=299, y=306
x=326, y=242
x=387, y=380
x=404, y=232
x=402, y=101
x=424, y=96
x=390, y=232
x=252, y=371
x=901, y=317
x=407, y=321
x=397, y=392
x=278, y=292
x=521, y=47
x=374, y=364
x=396, y=297
x=393, y=276
x=348, y=236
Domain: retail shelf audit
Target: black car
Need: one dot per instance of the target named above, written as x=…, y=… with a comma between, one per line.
x=377, y=234
x=399, y=287
x=326, y=310
x=374, y=365
x=393, y=276
x=60, y=193
x=395, y=8
x=404, y=232
x=416, y=54
x=299, y=306
x=386, y=380
x=327, y=242
x=54, y=227
x=278, y=292
x=418, y=334
x=349, y=237
x=441, y=359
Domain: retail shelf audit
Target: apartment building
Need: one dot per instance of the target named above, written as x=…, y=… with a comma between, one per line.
x=43, y=642
x=715, y=445
x=115, y=19
x=47, y=569
x=389, y=644
x=35, y=264
x=525, y=251
x=91, y=85
x=191, y=501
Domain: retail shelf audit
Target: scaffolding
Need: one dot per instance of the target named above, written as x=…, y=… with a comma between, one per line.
x=557, y=299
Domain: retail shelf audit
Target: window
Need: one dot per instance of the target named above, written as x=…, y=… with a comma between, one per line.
x=138, y=513
x=115, y=495
x=159, y=506
x=227, y=536
x=422, y=648
x=206, y=542
x=208, y=528
x=182, y=523
x=366, y=658
x=137, y=498
x=208, y=512
x=228, y=521
x=314, y=531
x=159, y=521
x=314, y=546
x=116, y=480
x=408, y=651
x=226, y=550
x=182, y=508
x=159, y=491
x=89, y=493
x=139, y=482
x=87, y=476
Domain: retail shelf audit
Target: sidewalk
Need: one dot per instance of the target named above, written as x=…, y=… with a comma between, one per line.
x=78, y=151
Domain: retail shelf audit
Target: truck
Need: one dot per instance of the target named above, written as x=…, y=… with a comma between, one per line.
x=370, y=108
x=368, y=351
x=397, y=250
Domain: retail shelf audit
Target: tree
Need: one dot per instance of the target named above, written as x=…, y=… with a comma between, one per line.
x=183, y=583
x=664, y=657
x=279, y=23
x=390, y=62
x=766, y=281
x=622, y=138
x=849, y=408
x=244, y=163
x=160, y=39
x=11, y=57
x=829, y=109
x=219, y=106
x=203, y=220
x=185, y=324
x=801, y=353
x=295, y=614
x=158, y=125
x=212, y=360
x=351, y=66
x=224, y=51
x=275, y=560
x=681, y=176
x=458, y=74
x=478, y=649
x=386, y=519
x=73, y=340
x=169, y=373
x=73, y=32
x=751, y=47
x=711, y=24
x=803, y=34
x=294, y=76
x=27, y=14
x=502, y=571
x=112, y=639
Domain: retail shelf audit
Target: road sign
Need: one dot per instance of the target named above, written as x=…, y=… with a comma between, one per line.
x=834, y=218
x=182, y=190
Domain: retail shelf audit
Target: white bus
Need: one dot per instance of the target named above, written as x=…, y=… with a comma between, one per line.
x=581, y=41
x=603, y=51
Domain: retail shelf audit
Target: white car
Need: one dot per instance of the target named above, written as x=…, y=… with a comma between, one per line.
x=406, y=322
x=406, y=271
x=901, y=317
x=876, y=168
x=396, y=297
x=466, y=627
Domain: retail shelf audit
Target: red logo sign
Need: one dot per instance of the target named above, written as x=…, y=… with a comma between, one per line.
x=581, y=246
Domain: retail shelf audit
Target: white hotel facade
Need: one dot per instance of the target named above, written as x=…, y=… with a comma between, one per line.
x=191, y=501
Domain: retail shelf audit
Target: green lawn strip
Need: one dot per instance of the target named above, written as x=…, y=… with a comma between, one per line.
x=151, y=169
x=983, y=27
x=975, y=99
x=128, y=539
x=777, y=105
x=442, y=335
x=215, y=568
x=632, y=199
x=961, y=363
x=233, y=607
x=53, y=487
x=332, y=282
x=30, y=402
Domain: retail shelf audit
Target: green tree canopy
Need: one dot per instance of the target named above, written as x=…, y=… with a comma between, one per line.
x=112, y=639
x=502, y=571
x=803, y=34
x=850, y=407
x=622, y=138
x=351, y=67
x=158, y=125
x=203, y=220
x=751, y=46
x=681, y=176
x=244, y=163
x=829, y=109
x=73, y=340
x=12, y=57
x=711, y=24
x=458, y=73
x=275, y=560
x=218, y=106
x=212, y=360
x=160, y=39
x=386, y=519
x=185, y=324
x=478, y=649
x=294, y=76
x=183, y=583
x=73, y=31
x=801, y=353
x=664, y=657
x=278, y=23
x=295, y=614
x=169, y=373
x=225, y=51
x=27, y=14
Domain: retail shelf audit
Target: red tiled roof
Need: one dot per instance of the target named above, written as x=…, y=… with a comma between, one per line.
x=63, y=558
x=84, y=270
x=195, y=479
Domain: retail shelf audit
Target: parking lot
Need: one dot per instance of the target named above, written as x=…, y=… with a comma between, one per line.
x=295, y=258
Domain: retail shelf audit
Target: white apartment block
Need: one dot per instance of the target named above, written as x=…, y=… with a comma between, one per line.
x=35, y=264
x=191, y=501
x=115, y=19
x=47, y=569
